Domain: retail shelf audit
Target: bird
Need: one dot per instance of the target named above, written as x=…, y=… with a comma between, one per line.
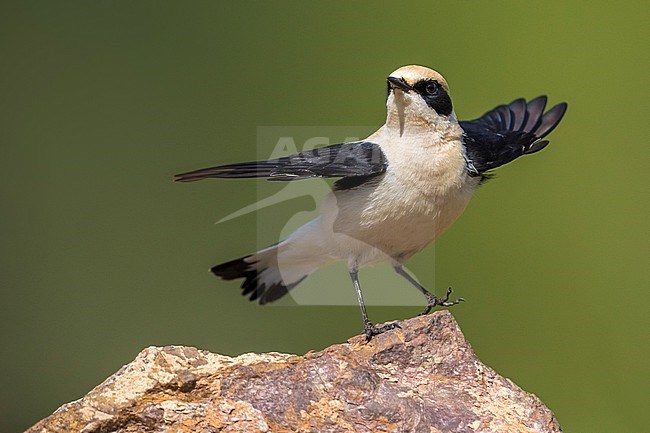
x=397, y=190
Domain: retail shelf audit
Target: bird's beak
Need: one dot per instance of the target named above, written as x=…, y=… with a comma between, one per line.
x=399, y=83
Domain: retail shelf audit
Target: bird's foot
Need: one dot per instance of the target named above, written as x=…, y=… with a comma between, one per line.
x=371, y=330
x=433, y=301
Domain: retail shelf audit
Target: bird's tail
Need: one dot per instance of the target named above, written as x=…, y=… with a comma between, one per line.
x=266, y=277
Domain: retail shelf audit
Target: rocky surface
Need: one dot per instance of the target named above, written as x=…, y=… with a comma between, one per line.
x=423, y=377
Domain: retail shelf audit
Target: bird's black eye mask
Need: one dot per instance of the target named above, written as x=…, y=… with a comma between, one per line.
x=435, y=96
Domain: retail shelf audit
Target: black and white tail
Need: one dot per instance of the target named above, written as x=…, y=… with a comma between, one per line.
x=266, y=278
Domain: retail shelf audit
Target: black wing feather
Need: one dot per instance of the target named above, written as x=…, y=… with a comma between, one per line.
x=518, y=108
x=361, y=159
x=535, y=110
x=508, y=132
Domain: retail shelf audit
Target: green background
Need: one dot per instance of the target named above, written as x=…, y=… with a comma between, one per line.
x=102, y=255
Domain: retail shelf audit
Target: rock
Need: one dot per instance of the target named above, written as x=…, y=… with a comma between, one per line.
x=423, y=377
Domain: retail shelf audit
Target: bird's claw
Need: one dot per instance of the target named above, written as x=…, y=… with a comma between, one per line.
x=433, y=301
x=371, y=330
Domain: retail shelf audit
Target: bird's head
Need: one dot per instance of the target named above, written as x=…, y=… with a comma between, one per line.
x=418, y=95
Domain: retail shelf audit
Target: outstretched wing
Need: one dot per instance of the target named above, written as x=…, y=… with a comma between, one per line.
x=355, y=160
x=509, y=131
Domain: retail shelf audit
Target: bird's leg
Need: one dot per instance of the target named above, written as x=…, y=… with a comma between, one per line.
x=432, y=300
x=368, y=328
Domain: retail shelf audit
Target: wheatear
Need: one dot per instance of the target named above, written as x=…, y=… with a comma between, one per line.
x=399, y=189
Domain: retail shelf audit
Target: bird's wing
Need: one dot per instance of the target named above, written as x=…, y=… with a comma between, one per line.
x=355, y=160
x=509, y=131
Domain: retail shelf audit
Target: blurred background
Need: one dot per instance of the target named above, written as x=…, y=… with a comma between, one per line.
x=103, y=255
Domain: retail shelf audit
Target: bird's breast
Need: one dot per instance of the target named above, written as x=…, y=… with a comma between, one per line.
x=423, y=191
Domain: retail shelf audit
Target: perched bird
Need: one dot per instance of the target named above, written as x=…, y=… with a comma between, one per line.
x=399, y=189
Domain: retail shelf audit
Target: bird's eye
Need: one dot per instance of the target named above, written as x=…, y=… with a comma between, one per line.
x=431, y=88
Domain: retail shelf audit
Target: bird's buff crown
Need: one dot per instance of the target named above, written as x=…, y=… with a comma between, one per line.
x=414, y=73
